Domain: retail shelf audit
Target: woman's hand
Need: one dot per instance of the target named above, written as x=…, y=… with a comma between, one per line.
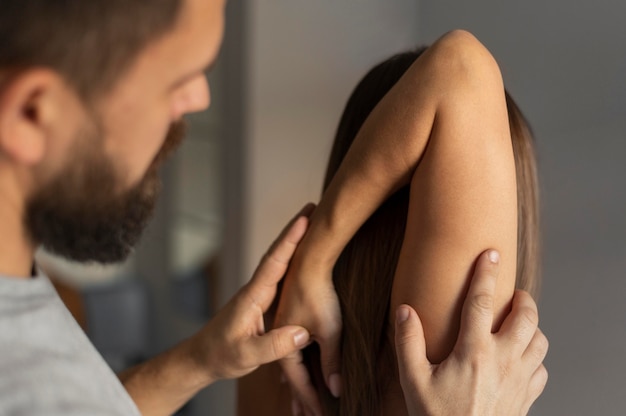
x=308, y=299
x=486, y=374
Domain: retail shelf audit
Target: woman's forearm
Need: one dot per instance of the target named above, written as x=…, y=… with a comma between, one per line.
x=392, y=141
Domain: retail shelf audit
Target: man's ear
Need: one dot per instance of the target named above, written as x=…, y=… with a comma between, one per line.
x=29, y=107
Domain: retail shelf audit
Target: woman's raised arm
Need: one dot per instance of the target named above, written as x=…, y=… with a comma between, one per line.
x=463, y=196
x=443, y=127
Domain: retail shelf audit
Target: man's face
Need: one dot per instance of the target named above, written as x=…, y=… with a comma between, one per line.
x=96, y=198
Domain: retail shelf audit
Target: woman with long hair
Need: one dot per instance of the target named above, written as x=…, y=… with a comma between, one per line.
x=452, y=175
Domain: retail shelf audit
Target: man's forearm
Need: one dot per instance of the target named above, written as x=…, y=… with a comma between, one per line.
x=165, y=383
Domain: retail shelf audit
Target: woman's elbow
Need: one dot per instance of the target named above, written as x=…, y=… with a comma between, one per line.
x=459, y=57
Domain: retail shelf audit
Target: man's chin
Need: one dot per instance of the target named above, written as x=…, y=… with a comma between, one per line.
x=104, y=231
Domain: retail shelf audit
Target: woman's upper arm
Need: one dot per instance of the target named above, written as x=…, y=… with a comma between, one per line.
x=463, y=192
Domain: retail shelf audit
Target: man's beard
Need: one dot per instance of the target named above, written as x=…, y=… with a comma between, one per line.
x=81, y=214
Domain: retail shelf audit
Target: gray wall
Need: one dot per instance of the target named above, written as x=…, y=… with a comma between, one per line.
x=565, y=63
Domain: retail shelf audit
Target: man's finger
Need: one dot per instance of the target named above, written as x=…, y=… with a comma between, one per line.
x=538, y=382
x=330, y=351
x=273, y=266
x=300, y=382
x=535, y=388
x=477, y=315
x=410, y=348
x=305, y=212
x=537, y=349
x=278, y=343
x=520, y=325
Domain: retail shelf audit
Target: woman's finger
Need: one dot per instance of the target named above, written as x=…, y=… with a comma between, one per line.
x=330, y=351
x=299, y=380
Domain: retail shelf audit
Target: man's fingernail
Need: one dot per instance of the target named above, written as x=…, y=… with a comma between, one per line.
x=301, y=337
x=402, y=314
x=334, y=384
x=494, y=256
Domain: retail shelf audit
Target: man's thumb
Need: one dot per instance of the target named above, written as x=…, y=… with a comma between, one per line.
x=410, y=346
x=279, y=343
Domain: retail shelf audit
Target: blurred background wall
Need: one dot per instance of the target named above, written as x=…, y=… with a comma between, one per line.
x=258, y=155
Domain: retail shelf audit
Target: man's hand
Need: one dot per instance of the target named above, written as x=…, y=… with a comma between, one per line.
x=231, y=345
x=235, y=342
x=486, y=374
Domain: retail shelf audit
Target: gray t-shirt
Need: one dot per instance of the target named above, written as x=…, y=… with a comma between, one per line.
x=47, y=364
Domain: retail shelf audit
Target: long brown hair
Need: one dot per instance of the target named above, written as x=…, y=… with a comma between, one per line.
x=363, y=275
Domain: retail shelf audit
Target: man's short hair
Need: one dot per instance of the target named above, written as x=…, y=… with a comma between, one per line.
x=90, y=43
